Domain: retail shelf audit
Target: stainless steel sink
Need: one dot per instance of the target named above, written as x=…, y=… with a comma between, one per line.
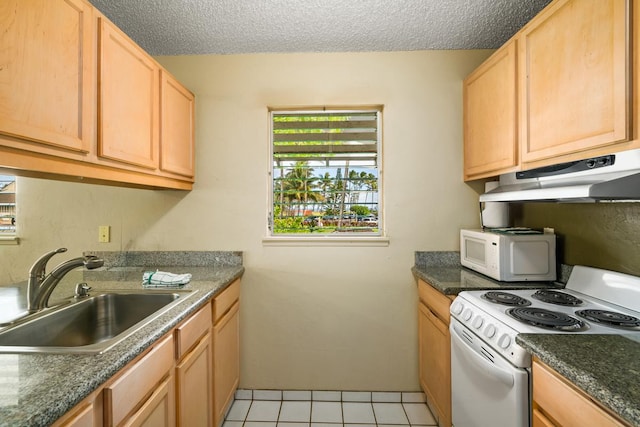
x=89, y=325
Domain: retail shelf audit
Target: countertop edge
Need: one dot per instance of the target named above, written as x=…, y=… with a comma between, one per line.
x=51, y=406
x=581, y=377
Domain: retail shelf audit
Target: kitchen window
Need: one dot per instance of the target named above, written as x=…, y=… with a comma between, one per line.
x=7, y=207
x=325, y=174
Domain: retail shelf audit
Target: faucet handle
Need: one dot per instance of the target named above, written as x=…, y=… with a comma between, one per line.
x=82, y=290
x=38, y=268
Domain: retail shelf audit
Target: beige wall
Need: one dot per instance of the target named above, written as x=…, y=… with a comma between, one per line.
x=312, y=317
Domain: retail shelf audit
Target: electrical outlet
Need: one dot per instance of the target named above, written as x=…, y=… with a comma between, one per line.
x=104, y=235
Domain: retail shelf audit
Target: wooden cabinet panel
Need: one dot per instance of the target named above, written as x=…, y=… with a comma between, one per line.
x=176, y=127
x=562, y=402
x=133, y=385
x=226, y=361
x=574, y=79
x=46, y=73
x=128, y=94
x=158, y=410
x=437, y=302
x=194, y=381
x=435, y=362
x=490, y=116
x=189, y=332
x=223, y=302
x=81, y=418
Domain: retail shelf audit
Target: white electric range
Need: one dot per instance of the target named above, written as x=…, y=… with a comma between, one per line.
x=490, y=372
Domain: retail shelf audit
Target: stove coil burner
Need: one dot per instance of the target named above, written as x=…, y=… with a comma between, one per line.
x=547, y=319
x=557, y=297
x=610, y=318
x=506, y=298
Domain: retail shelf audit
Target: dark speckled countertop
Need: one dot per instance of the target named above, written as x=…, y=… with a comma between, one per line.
x=442, y=270
x=606, y=367
x=37, y=389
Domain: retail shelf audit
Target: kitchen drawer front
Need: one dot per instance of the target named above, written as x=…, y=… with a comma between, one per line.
x=188, y=333
x=437, y=302
x=223, y=302
x=564, y=403
x=131, y=388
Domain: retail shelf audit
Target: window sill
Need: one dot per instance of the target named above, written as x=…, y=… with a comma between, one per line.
x=355, y=241
x=9, y=240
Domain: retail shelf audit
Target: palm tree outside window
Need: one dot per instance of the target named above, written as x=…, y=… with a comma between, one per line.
x=325, y=172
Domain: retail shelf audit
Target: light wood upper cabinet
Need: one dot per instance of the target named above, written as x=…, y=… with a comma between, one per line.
x=176, y=127
x=46, y=73
x=572, y=95
x=128, y=95
x=574, y=75
x=490, y=116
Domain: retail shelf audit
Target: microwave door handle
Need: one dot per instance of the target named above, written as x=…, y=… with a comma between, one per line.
x=487, y=367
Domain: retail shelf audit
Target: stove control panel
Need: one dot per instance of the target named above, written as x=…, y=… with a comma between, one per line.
x=496, y=334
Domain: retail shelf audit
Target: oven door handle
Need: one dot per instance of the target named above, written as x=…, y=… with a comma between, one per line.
x=489, y=368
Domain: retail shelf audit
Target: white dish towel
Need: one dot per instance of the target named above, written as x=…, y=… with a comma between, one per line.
x=163, y=279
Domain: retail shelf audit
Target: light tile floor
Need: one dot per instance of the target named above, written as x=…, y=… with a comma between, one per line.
x=277, y=408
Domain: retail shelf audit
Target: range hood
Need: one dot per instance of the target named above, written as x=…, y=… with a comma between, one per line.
x=611, y=177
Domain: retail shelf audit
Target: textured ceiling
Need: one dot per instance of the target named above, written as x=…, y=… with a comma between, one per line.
x=180, y=27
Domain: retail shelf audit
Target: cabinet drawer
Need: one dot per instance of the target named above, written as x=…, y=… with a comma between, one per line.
x=223, y=302
x=131, y=388
x=564, y=403
x=437, y=302
x=189, y=332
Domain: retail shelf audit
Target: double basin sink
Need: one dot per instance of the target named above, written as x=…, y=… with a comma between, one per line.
x=91, y=324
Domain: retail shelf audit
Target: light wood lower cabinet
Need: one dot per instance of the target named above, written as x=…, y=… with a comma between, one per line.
x=558, y=403
x=434, y=351
x=158, y=409
x=83, y=416
x=226, y=349
x=143, y=390
x=194, y=376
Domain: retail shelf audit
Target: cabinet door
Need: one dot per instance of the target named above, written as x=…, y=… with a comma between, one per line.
x=46, y=72
x=554, y=396
x=194, y=386
x=126, y=393
x=490, y=116
x=157, y=411
x=128, y=107
x=226, y=361
x=435, y=362
x=574, y=79
x=176, y=127
x=82, y=418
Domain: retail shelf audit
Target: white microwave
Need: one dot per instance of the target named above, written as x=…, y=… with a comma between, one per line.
x=509, y=255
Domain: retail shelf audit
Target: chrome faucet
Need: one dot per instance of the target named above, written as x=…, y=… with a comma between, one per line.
x=41, y=285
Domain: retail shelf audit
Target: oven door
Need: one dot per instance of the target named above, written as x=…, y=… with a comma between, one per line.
x=486, y=390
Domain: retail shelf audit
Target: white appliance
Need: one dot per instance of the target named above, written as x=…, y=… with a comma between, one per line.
x=611, y=177
x=491, y=373
x=510, y=254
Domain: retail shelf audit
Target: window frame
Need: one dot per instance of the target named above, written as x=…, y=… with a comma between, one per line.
x=352, y=238
x=11, y=238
